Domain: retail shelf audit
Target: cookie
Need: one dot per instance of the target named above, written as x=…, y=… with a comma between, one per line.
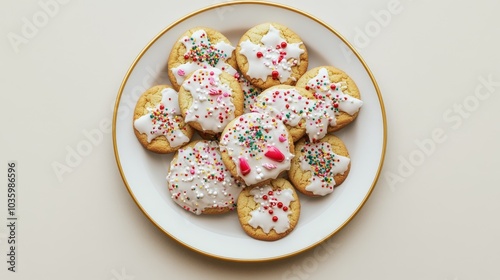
x=269, y=212
x=209, y=99
x=256, y=148
x=199, y=48
x=157, y=121
x=336, y=89
x=297, y=108
x=320, y=166
x=199, y=182
x=270, y=54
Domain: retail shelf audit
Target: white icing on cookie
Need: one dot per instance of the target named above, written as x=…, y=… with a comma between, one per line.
x=164, y=120
x=258, y=145
x=198, y=179
x=202, y=54
x=275, y=57
x=212, y=107
x=274, y=209
x=288, y=105
x=324, y=164
x=333, y=94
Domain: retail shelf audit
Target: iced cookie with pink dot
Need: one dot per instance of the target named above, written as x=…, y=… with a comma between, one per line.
x=337, y=92
x=256, y=148
x=271, y=54
x=158, y=123
x=269, y=212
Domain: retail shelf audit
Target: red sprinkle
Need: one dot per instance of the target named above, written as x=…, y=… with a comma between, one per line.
x=285, y=208
x=283, y=44
x=259, y=54
x=275, y=218
x=275, y=74
x=333, y=86
x=280, y=204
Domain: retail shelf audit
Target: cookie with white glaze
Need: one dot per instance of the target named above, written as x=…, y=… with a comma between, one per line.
x=270, y=54
x=337, y=91
x=319, y=167
x=209, y=99
x=199, y=48
x=256, y=148
x=296, y=107
x=199, y=181
x=269, y=212
x=158, y=123
x=250, y=94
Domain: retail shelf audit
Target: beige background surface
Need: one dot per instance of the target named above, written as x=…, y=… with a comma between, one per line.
x=432, y=216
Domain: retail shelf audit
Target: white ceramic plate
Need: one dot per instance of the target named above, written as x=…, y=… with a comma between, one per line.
x=221, y=236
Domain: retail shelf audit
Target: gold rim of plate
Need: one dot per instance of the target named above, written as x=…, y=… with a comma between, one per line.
x=233, y=3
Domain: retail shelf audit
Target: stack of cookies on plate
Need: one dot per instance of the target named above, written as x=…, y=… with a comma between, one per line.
x=263, y=119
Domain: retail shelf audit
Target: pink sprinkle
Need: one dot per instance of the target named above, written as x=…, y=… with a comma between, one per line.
x=212, y=73
x=181, y=72
x=211, y=80
x=192, y=171
x=269, y=166
x=214, y=91
x=282, y=138
x=226, y=94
